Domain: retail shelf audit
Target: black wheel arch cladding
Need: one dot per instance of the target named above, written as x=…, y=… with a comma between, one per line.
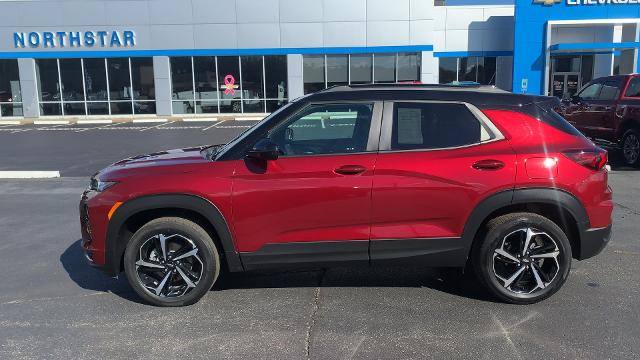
x=115, y=245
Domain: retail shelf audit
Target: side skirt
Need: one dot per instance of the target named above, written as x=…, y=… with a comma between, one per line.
x=429, y=252
x=422, y=251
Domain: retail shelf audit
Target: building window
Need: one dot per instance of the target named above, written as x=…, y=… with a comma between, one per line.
x=78, y=87
x=10, y=94
x=96, y=89
x=313, y=71
x=322, y=71
x=228, y=84
x=361, y=68
x=384, y=68
x=337, y=70
x=275, y=78
x=481, y=70
x=144, y=91
x=206, y=85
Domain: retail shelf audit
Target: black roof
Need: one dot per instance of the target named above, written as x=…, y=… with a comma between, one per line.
x=478, y=95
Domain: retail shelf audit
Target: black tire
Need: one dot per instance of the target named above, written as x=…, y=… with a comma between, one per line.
x=506, y=232
x=630, y=146
x=178, y=232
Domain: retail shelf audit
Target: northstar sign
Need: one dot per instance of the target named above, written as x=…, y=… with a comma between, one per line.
x=61, y=39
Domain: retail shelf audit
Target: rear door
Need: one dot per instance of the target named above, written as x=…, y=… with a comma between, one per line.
x=437, y=160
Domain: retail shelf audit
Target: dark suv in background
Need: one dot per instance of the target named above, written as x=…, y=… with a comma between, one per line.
x=607, y=110
x=433, y=175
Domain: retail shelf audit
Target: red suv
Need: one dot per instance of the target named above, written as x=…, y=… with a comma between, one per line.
x=436, y=175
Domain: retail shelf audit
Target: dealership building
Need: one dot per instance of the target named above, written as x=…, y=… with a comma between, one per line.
x=202, y=57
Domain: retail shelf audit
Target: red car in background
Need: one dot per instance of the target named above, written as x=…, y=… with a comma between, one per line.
x=607, y=110
x=426, y=174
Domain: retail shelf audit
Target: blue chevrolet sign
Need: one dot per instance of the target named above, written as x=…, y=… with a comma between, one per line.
x=62, y=39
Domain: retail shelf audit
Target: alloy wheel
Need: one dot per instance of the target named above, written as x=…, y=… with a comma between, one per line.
x=168, y=265
x=631, y=148
x=526, y=261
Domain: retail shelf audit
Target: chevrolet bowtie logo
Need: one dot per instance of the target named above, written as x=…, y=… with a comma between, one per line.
x=546, y=2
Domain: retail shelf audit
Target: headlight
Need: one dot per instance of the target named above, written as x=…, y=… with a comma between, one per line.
x=99, y=186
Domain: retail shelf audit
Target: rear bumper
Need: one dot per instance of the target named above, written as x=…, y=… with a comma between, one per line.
x=593, y=241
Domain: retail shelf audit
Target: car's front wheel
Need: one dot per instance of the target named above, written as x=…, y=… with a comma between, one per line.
x=631, y=147
x=523, y=258
x=171, y=261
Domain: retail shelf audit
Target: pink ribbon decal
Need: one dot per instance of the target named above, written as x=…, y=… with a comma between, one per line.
x=229, y=85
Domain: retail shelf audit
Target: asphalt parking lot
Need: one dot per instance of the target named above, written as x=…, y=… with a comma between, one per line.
x=53, y=305
x=82, y=149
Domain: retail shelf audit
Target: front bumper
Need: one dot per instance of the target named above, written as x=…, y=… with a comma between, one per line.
x=593, y=241
x=92, y=251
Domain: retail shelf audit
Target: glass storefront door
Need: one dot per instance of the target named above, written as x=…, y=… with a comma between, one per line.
x=569, y=73
x=565, y=85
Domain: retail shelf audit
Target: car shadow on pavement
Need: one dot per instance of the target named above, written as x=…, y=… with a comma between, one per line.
x=89, y=278
x=448, y=280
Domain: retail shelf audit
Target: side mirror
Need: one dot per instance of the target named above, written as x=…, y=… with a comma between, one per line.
x=264, y=149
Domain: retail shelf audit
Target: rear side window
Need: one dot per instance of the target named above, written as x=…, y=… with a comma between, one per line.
x=633, y=90
x=434, y=126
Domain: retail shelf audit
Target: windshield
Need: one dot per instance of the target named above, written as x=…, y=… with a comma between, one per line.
x=221, y=150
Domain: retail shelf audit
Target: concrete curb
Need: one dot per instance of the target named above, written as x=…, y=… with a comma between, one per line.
x=29, y=174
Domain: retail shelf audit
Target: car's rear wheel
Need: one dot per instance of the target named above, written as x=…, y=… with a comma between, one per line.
x=631, y=147
x=523, y=258
x=171, y=261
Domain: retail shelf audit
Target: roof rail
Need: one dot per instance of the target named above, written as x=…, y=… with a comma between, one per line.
x=419, y=85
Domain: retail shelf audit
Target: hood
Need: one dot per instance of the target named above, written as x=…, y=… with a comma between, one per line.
x=167, y=157
x=169, y=161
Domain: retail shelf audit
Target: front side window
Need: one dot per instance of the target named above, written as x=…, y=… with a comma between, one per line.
x=434, y=126
x=590, y=92
x=325, y=129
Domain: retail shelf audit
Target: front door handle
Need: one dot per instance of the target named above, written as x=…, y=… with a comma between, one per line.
x=488, y=164
x=350, y=170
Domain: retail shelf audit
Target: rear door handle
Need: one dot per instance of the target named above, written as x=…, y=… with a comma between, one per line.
x=488, y=164
x=350, y=170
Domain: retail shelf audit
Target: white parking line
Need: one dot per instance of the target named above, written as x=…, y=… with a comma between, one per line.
x=157, y=126
x=54, y=127
x=29, y=174
x=200, y=119
x=214, y=125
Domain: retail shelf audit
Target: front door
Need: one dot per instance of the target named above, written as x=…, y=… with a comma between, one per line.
x=312, y=204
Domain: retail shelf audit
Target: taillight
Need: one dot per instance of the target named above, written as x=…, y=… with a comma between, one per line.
x=594, y=159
